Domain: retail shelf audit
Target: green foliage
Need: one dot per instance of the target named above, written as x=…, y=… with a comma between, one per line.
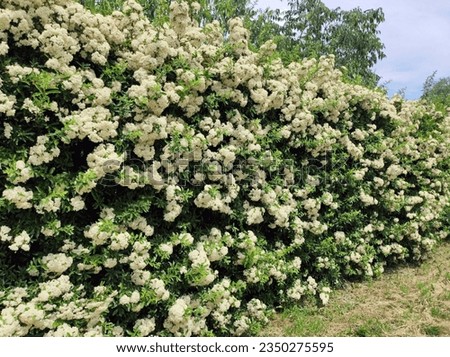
x=310, y=28
x=437, y=92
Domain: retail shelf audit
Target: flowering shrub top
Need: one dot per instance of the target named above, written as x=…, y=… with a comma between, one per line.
x=167, y=181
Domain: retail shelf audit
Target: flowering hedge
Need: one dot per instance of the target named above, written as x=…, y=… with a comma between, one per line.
x=167, y=181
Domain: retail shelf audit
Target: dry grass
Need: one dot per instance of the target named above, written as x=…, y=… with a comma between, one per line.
x=409, y=301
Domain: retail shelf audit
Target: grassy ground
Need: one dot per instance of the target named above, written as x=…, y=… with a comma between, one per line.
x=409, y=301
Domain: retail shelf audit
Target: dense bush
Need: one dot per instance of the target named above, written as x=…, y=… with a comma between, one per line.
x=166, y=181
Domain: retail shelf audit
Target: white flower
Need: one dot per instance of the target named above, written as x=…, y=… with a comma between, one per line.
x=124, y=300
x=339, y=236
x=325, y=295
x=145, y=326
x=159, y=288
x=57, y=263
x=110, y=263
x=176, y=311
x=4, y=234
x=312, y=284
x=173, y=210
x=359, y=135
x=8, y=129
x=166, y=248
x=195, y=6
x=19, y=196
x=54, y=288
x=241, y=325
x=228, y=155
x=367, y=199
x=77, y=203
x=198, y=256
x=393, y=171
x=359, y=174
x=64, y=330
x=31, y=314
x=48, y=204
x=135, y=297
x=21, y=241
x=296, y=291
x=119, y=241
x=297, y=262
x=40, y=154
x=255, y=215
x=24, y=172
x=186, y=239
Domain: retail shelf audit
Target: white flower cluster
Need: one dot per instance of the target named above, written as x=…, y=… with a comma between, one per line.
x=21, y=241
x=4, y=234
x=140, y=223
x=23, y=172
x=220, y=302
x=150, y=129
x=57, y=263
x=7, y=130
x=393, y=171
x=95, y=123
x=180, y=321
x=255, y=215
x=173, y=208
x=7, y=107
x=48, y=204
x=38, y=154
x=325, y=295
x=212, y=198
x=367, y=199
x=19, y=196
x=159, y=288
x=23, y=312
x=201, y=263
x=145, y=326
x=103, y=160
x=77, y=203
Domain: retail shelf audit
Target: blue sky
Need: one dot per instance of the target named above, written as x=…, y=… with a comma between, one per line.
x=416, y=34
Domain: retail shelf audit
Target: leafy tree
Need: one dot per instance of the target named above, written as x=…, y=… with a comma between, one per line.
x=223, y=10
x=312, y=29
x=437, y=91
